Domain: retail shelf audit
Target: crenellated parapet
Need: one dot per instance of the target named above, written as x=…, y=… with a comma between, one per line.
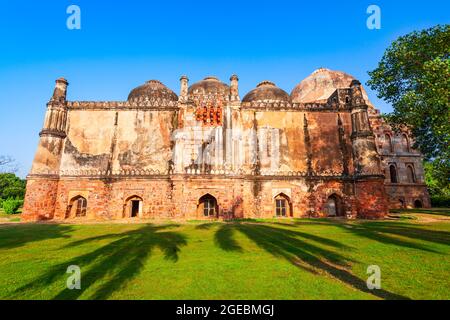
x=138, y=103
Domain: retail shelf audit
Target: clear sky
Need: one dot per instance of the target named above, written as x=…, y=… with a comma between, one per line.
x=122, y=44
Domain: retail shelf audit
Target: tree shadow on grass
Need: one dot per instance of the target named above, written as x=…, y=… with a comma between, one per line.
x=307, y=255
x=390, y=233
x=19, y=235
x=398, y=235
x=111, y=266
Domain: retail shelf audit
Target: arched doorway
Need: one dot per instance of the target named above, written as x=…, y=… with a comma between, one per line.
x=133, y=207
x=77, y=207
x=282, y=206
x=207, y=206
x=334, y=207
x=418, y=204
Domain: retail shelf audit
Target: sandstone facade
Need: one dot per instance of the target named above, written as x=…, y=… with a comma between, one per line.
x=323, y=150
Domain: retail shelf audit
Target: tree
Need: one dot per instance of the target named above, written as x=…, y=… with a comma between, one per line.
x=414, y=76
x=11, y=186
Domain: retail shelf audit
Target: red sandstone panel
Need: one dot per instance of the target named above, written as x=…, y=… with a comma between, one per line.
x=326, y=152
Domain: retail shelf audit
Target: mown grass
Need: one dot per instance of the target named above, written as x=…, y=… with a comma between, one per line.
x=286, y=259
x=433, y=211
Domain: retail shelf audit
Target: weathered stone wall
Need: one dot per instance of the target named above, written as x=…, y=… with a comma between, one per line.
x=109, y=140
x=40, y=198
x=168, y=152
x=166, y=197
x=48, y=155
x=404, y=195
x=107, y=197
x=395, y=148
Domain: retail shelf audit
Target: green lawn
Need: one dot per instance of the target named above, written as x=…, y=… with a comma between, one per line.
x=285, y=259
x=433, y=211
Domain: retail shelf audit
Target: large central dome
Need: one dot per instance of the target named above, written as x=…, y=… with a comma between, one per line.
x=267, y=91
x=209, y=85
x=320, y=85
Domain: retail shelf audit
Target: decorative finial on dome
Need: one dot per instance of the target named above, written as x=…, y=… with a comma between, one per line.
x=153, y=81
x=211, y=78
x=321, y=69
x=266, y=83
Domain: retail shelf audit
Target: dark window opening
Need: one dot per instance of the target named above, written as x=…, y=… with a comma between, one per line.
x=418, y=204
x=135, y=208
x=393, y=173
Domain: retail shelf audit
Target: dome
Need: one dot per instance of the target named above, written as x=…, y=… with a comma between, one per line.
x=267, y=90
x=320, y=85
x=152, y=89
x=209, y=85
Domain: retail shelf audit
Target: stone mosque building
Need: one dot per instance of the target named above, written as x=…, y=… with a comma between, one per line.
x=322, y=150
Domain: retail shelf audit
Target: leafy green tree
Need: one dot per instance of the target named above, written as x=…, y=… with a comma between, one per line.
x=11, y=186
x=414, y=76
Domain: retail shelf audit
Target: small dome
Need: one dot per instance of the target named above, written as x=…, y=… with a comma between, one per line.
x=267, y=90
x=209, y=85
x=152, y=89
x=320, y=85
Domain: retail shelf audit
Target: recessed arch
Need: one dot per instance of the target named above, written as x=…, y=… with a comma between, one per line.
x=411, y=174
x=283, y=205
x=418, y=204
x=405, y=143
x=207, y=206
x=77, y=207
x=388, y=142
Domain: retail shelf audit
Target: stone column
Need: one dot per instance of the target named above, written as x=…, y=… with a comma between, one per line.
x=366, y=158
x=234, y=88
x=183, y=88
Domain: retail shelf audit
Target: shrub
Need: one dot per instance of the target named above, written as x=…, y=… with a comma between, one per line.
x=440, y=201
x=11, y=206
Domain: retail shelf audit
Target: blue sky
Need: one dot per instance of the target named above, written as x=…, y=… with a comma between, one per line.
x=122, y=44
